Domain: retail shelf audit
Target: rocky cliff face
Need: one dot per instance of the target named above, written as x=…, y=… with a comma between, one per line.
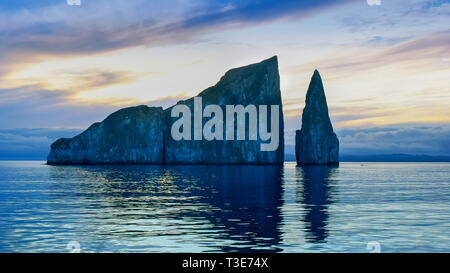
x=316, y=143
x=257, y=84
x=142, y=135
x=129, y=136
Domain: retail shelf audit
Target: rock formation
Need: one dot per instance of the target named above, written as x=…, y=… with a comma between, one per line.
x=316, y=143
x=129, y=136
x=142, y=135
x=257, y=84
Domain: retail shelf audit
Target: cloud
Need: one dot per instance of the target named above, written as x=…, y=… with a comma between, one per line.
x=390, y=84
x=113, y=24
x=88, y=80
x=227, y=7
x=30, y=143
x=33, y=106
x=73, y=81
x=32, y=33
x=431, y=47
x=401, y=138
x=382, y=40
x=395, y=15
x=395, y=139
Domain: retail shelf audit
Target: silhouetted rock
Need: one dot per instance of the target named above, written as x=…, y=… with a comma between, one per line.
x=129, y=136
x=142, y=135
x=257, y=84
x=316, y=143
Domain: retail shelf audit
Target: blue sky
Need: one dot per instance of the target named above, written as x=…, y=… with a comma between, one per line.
x=385, y=67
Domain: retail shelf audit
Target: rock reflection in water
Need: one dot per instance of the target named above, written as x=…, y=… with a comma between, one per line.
x=317, y=195
x=223, y=208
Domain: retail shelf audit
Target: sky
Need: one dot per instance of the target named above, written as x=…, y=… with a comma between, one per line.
x=385, y=64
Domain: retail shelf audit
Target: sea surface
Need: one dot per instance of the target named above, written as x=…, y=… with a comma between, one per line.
x=356, y=207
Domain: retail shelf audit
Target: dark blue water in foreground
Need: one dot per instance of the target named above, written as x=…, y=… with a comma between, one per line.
x=403, y=207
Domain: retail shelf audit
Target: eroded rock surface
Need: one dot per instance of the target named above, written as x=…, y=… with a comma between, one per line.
x=257, y=84
x=316, y=143
x=131, y=135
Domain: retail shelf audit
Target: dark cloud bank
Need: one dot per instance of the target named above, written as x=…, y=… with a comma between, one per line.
x=371, y=144
x=30, y=144
x=403, y=142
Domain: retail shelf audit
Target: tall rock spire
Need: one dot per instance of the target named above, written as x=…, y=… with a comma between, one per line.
x=316, y=143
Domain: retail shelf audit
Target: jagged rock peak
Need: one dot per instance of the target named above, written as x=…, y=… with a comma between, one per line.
x=316, y=143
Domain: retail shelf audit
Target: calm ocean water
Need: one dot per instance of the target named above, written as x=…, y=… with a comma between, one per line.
x=403, y=207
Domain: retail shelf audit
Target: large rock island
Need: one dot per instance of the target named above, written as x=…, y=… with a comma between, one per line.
x=316, y=143
x=142, y=135
x=129, y=136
